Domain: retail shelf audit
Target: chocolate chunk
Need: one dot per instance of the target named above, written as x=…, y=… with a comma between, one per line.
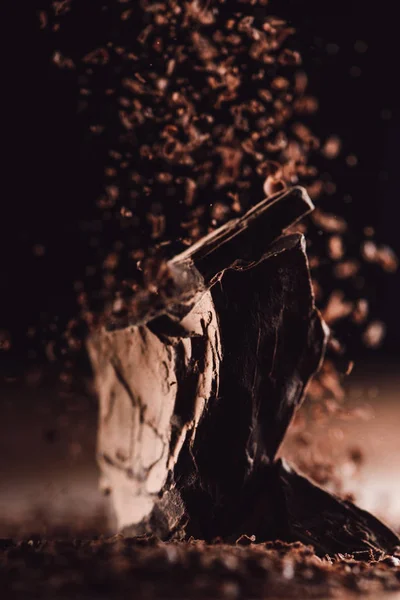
x=199, y=383
x=330, y=524
x=272, y=341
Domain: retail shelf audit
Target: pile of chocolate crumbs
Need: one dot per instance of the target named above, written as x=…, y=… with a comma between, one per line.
x=147, y=568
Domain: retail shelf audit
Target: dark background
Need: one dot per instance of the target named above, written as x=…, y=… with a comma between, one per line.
x=51, y=172
x=360, y=100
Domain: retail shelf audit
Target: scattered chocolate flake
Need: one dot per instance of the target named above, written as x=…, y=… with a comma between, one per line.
x=352, y=160
x=61, y=7
x=346, y=269
x=369, y=231
x=63, y=61
x=381, y=255
x=387, y=259
x=331, y=148
x=374, y=334
x=100, y=56
x=336, y=247
x=306, y=105
x=43, y=19
x=328, y=222
x=5, y=340
x=336, y=308
x=245, y=540
x=39, y=250
x=361, y=310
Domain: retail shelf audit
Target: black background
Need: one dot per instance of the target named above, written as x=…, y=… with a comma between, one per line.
x=51, y=174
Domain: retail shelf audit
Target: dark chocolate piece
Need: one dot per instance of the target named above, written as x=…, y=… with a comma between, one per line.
x=198, y=386
x=272, y=341
x=330, y=524
x=303, y=511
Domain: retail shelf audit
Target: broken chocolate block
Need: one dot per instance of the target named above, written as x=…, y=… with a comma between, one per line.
x=199, y=380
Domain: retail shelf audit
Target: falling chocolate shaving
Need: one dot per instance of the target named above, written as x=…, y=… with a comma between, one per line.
x=374, y=334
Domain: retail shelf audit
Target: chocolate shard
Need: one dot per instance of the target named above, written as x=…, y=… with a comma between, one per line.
x=272, y=340
x=198, y=386
x=330, y=524
x=173, y=288
x=305, y=512
x=248, y=236
x=281, y=504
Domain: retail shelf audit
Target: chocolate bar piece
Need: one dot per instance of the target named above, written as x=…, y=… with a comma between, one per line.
x=199, y=380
